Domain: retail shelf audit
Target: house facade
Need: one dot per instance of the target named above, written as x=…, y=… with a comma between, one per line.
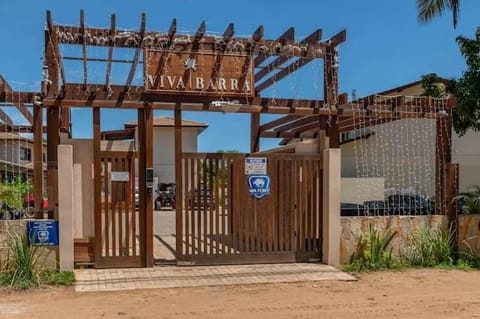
x=16, y=156
x=164, y=144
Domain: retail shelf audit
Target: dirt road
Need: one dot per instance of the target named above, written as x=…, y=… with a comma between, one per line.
x=409, y=294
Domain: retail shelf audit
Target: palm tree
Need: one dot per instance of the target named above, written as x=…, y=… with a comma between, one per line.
x=429, y=9
x=470, y=200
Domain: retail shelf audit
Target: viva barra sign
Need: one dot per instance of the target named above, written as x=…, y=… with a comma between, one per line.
x=220, y=74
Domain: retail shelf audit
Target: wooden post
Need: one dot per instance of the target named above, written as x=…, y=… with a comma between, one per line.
x=149, y=194
x=97, y=185
x=142, y=184
x=452, y=176
x=254, y=132
x=323, y=142
x=38, y=160
x=52, y=174
x=178, y=181
x=332, y=131
x=442, y=160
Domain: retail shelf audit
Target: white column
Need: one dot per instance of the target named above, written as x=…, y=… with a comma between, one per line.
x=65, y=206
x=331, y=206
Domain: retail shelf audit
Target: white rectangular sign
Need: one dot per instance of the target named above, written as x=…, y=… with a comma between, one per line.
x=119, y=176
x=255, y=166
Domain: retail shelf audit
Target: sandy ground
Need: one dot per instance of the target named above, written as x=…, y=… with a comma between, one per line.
x=408, y=294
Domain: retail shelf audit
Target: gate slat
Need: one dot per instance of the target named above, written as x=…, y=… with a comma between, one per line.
x=107, y=206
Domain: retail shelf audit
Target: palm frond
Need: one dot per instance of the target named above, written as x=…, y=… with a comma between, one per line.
x=429, y=9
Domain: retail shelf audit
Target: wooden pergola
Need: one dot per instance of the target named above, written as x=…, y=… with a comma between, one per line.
x=253, y=63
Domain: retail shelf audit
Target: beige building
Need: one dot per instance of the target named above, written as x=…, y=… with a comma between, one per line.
x=164, y=144
x=16, y=155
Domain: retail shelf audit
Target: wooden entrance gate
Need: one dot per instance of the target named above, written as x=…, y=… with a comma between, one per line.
x=116, y=219
x=220, y=223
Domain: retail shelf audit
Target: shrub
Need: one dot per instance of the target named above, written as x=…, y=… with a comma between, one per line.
x=22, y=267
x=373, y=251
x=428, y=248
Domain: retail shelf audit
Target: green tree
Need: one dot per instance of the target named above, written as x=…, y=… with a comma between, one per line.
x=429, y=9
x=433, y=86
x=467, y=88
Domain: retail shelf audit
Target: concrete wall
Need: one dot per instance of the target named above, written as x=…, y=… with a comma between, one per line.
x=47, y=255
x=352, y=227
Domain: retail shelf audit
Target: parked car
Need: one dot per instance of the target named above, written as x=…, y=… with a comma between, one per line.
x=201, y=198
x=375, y=207
x=166, y=196
x=407, y=204
x=351, y=209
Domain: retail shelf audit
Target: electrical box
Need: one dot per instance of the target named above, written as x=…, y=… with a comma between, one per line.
x=149, y=178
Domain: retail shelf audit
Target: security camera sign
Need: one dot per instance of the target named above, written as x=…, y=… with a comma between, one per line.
x=259, y=186
x=43, y=233
x=255, y=166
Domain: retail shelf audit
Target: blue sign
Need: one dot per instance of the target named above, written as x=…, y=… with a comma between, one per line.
x=259, y=185
x=43, y=233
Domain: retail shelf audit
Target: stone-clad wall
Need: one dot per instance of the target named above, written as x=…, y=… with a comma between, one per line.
x=469, y=233
x=352, y=227
x=47, y=254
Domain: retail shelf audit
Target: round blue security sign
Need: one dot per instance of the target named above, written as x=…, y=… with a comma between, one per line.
x=259, y=185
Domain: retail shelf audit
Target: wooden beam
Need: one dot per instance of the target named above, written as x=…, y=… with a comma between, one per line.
x=283, y=73
x=53, y=139
x=116, y=135
x=332, y=132
x=254, y=132
x=178, y=182
x=52, y=40
x=38, y=160
x=200, y=31
x=51, y=59
x=228, y=34
x=338, y=38
x=173, y=29
x=289, y=35
x=312, y=38
x=149, y=195
x=142, y=184
x=296, y=124
x=137, y=54
x=258, y=34
x=97, y=189
x=84, y=48
x=208, y=43
x=278, y=122
x=110, y=55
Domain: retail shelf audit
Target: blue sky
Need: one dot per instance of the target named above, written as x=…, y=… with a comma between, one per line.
x=385, y=47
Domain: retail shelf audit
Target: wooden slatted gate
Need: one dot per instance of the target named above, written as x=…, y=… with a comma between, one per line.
x=116, y=219
x=221, y=223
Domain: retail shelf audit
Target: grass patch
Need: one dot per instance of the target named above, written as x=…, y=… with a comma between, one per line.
x=57, y=278
x=373, y=251
x=430, y=248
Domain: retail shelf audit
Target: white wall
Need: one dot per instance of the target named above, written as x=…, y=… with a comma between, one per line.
x=466, y=152
x=164, y=150
x=402, y=152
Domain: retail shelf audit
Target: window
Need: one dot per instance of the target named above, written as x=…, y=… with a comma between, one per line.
x=25, y=154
